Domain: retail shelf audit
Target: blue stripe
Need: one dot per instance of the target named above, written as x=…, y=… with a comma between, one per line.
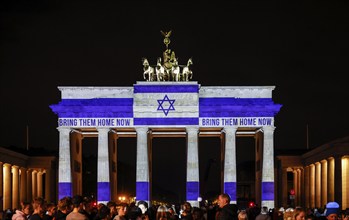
x=166, y=88
x=166, y=121
x=238, y=107
x=192, y=190
x=235, y=101
x=267, y=191
x=95, y=115
x=98, y=101
x=94, y=108
x=142, y=190
x=230, y=189
x=103, y=191
x=235, y=112
x=64, y=189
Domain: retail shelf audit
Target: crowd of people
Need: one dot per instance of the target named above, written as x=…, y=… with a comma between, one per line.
x=82, y=208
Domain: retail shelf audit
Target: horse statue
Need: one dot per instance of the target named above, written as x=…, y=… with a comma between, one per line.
x=148, y=71
x=159, y=70
x=187, y=72
x=175, y=72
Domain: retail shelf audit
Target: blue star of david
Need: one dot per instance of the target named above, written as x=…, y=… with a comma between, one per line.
x=169, y=108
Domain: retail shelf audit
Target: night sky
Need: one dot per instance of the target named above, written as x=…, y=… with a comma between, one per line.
x=299, y=47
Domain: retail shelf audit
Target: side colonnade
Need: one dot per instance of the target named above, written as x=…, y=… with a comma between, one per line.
x=23, y=178
x=317, y=177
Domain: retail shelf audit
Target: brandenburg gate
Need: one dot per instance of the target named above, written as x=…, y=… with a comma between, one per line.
x=164, y=104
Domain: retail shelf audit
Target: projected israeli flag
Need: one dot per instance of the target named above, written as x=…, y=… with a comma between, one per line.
x=166, y=103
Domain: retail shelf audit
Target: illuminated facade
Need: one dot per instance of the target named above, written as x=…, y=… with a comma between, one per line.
x=317, y=177
x=23, y=178
x=167, y=109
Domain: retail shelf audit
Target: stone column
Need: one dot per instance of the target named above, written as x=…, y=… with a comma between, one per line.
x=23, y=187
x=103, y=179
x=1, y=185
x=64, y=164
x=302, y=186
x=15, y=187
x=7, y=187
x=142, y=165
x=193, y=189
x=299, y=187
x=312, y=185
x=345, y=182
x=39, y=181
x=307, y=186
x=330, y=179
x=268, y=167
x=230, y=163
x=30, y=185
x=317, y=184
x=295, y=187
x=35, y=183
x=323, y=183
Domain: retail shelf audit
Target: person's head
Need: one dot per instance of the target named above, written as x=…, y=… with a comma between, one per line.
x=143, y=205
x=104, y=212
x=65, y=204
x=172, y=211
x=186, y=207
x=197, y=213
x=77, y=201
x=264, y=210
x=51, y=209
x=121, y=209
x=112, y=206
x=27, y=208
x=87, y=204
x=299, y=214
x=223, y=199
x=288, y=214
x=134, y=213
x=39, y=205
x=162, y=213
x=332, y=211
x=242, y=215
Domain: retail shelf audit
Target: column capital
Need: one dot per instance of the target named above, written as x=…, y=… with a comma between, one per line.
x=103, y=129
x=14, y=168
x=64, y=129
x=7, y=165
x=192, y=129
x=141, y=129
x=230, y=129
x=269, y=128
